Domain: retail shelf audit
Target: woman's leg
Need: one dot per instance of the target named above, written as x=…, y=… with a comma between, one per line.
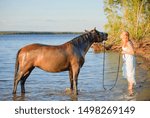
x=130, y=88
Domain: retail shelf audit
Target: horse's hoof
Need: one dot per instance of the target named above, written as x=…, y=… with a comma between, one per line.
x=13, y=92
x=23, y=91
x=68, y=91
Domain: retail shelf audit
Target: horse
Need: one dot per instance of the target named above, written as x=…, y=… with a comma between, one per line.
x=69, y=56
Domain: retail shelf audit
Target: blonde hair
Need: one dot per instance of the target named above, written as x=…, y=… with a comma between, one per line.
x=126, y=33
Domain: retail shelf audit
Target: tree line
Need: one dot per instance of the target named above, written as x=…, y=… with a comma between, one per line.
x=129, y=15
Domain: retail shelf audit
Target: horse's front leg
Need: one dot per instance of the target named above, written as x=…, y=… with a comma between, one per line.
x=70, y=90
x=71, y=79
x=76, y=71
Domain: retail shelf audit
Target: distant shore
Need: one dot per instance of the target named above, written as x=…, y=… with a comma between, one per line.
x=35, y=32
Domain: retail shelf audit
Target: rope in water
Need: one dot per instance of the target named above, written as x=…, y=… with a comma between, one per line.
x=104, y=70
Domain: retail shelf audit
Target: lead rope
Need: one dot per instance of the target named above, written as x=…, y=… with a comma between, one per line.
x=104, y=70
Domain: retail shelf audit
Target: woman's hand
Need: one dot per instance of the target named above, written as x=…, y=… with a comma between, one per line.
x=123, y=52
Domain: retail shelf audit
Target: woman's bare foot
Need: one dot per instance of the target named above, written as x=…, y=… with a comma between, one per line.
x=130, y=92
x=130, y=89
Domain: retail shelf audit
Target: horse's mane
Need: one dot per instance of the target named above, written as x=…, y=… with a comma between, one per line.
x=81, y=39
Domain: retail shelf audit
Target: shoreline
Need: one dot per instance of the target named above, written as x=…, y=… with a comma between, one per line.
x=35, y=32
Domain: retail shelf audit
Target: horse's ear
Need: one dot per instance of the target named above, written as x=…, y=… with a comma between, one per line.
x=86, y=31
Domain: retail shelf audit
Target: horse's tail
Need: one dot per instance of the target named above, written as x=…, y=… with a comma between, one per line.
x=16, y=64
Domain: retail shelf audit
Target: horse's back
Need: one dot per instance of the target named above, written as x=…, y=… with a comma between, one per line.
x=38, y=48
x=32, y=47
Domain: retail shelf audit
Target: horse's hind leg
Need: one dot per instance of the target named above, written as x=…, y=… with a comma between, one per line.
x=21, y=73
x=16, y=81
x=23, y=80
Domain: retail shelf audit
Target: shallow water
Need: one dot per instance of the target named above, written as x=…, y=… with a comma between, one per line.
x=45, y=86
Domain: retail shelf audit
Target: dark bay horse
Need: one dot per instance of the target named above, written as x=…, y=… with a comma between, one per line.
x=66, y=57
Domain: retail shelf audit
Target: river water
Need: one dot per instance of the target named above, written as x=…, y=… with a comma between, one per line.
x=43, y=86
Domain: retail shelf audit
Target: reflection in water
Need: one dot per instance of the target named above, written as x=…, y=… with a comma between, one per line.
x=19, y=97
x=74, y=97
x=69, y=92
x=22, y=97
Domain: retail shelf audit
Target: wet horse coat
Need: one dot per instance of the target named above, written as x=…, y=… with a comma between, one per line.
x=66, y=57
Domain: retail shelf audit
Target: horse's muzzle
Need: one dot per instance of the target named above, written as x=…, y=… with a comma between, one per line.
x=105, y=36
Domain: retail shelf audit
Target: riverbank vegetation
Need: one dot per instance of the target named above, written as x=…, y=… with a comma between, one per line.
x=132, y=16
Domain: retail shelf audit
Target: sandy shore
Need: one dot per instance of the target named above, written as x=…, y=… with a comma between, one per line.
x=143, y=80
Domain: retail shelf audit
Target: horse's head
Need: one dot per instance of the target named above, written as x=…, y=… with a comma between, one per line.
x=98, y=36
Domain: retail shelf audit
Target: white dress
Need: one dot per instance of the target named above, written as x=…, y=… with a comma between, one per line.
x=128, y=67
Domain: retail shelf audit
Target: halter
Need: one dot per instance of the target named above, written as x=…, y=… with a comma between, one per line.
x=97, y=34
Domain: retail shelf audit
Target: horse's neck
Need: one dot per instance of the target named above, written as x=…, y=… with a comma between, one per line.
x=86, y=44
x=83, y=43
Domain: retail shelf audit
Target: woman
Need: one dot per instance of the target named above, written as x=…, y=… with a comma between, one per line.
x=128, y=61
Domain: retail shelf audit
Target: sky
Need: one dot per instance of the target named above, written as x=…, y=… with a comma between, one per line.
x=51, y=15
